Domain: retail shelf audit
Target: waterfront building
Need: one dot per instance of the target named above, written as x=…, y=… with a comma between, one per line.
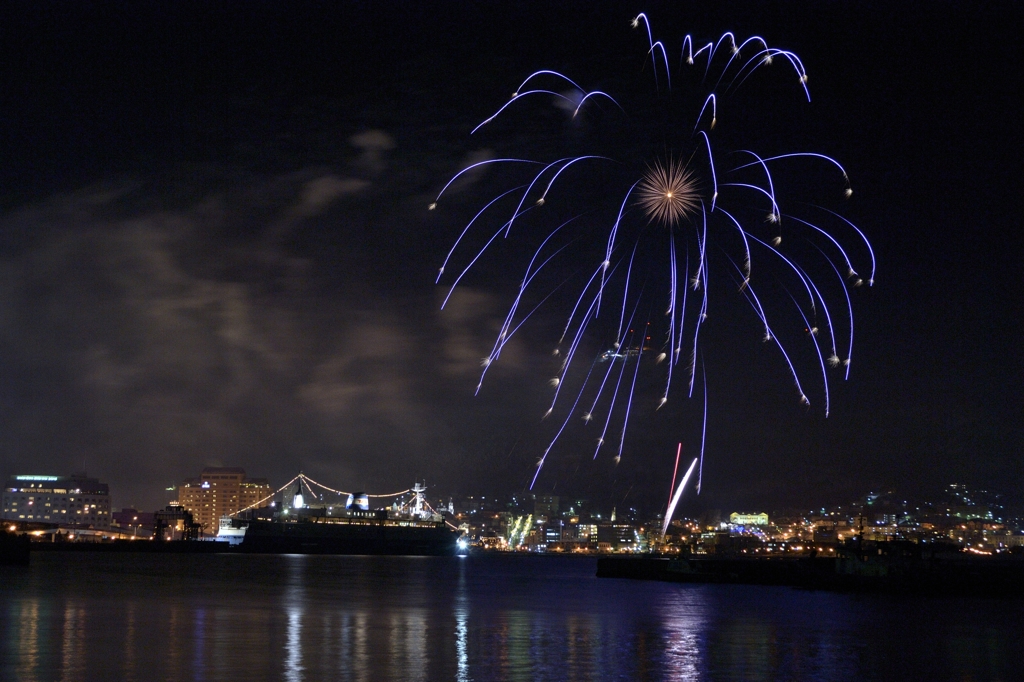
x=136, y=522
x=616, y=537
x=75, y=501
x=553, y=532
x=584, y=532
x=174, y=522
x=220, y=491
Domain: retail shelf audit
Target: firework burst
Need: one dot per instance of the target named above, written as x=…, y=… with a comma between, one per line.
x=668, y=193
x=657, y=219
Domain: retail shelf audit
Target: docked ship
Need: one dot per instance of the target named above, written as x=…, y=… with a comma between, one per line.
x=307, y=525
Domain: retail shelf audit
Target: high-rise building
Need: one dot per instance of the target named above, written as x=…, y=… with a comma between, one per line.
x=75, y=501
x=220, y=491
x=546, y=506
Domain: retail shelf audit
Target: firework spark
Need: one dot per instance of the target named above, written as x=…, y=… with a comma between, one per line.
x=661, y=217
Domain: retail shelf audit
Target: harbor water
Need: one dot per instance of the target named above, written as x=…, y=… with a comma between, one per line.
x=94, y=616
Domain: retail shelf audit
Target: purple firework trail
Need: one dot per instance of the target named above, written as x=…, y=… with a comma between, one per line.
x=668, y=214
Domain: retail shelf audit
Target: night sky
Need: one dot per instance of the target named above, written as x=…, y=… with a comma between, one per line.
x=215, y=248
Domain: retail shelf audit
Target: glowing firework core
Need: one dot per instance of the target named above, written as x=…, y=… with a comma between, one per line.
x=668, y=193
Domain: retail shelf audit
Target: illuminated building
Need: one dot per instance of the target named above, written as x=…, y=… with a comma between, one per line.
x=553, y=532
x=584, y=532
x=616, y=536
x=75, y=501
x=738, y=519
x=220, y=491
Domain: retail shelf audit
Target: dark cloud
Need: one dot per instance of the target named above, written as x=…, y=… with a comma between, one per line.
x=144, y=343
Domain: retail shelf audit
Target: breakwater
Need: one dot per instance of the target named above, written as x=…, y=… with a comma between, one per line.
x=954, y=574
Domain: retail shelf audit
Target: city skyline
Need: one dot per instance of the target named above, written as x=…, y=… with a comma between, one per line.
x=218, y=252
x=224, y=491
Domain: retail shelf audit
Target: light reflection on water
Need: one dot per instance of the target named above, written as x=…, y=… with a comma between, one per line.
x=294, y=606
x=360, y=619
x=461, y=624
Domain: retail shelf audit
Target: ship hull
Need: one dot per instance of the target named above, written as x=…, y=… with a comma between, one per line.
x=306, y=537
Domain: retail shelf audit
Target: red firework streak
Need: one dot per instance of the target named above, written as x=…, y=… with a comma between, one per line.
x=675, y=471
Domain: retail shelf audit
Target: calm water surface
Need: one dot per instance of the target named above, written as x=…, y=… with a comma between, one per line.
x=226, y=617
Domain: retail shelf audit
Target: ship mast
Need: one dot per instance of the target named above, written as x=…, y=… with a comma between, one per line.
x=417, y=501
